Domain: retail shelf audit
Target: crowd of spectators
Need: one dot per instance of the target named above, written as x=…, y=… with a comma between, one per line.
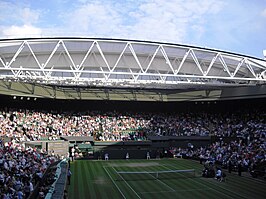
x=25, y=125
x=238, y=155
x=32, y=125
x=20, y=169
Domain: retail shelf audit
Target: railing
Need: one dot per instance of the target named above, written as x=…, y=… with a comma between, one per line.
x=36, y=190
x=57, y=189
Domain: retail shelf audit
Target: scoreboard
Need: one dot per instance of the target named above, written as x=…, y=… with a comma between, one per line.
x=58, y=147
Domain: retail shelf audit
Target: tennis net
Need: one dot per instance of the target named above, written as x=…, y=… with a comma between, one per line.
x=151, y=175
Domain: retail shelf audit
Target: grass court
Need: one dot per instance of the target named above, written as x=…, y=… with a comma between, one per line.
x=101, y=179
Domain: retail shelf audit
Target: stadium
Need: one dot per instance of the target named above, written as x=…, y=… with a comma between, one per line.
x=116, y=118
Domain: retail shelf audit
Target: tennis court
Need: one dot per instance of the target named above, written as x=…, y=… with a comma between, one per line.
x=165, y=178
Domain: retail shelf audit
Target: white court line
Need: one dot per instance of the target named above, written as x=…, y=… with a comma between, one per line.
x=228, y=190
x=163, y=183
x=127, y=184
x=114, y=182
x=151, y=192
x=185, y=190
x=203, y=184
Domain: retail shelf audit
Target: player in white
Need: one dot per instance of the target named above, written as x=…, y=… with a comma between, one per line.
x=127, y=156
x=148, y=155
x=218, y=175
x=73, y=153
x=106, y=156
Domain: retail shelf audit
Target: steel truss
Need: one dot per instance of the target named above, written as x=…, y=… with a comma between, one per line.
x=109, y=69
x=124, y=64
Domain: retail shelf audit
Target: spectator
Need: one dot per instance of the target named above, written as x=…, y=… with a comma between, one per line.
x=218, y=174
x=19, y=165
x=25, y=125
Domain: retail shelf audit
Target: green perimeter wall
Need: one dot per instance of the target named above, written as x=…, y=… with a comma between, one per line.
x=139, y=149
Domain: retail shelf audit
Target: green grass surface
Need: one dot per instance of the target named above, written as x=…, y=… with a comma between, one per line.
x=99, y=179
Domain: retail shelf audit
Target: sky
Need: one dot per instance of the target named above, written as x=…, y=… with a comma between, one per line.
x=231, y=25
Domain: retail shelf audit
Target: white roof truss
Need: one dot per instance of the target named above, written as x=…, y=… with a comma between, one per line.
x=108, y=62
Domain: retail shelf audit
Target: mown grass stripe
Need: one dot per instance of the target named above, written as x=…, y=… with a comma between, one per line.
x=139, y=183
x=98, y=172
x=88, y=189
x=80, y=180
x=126, y=190
x=154, y=184
x=83, y=183
x=197, y=194
x=101, y=173
x=205, y=184
x=86, y=173
x=114, y=182
x=75, y=173
x=128, y=185
x=250, y=189
x=158, y=179
x=244, y=185
x=89, y=177
x=230, y=189
x=184, y=183
x=213, y=184
x=71, y=188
